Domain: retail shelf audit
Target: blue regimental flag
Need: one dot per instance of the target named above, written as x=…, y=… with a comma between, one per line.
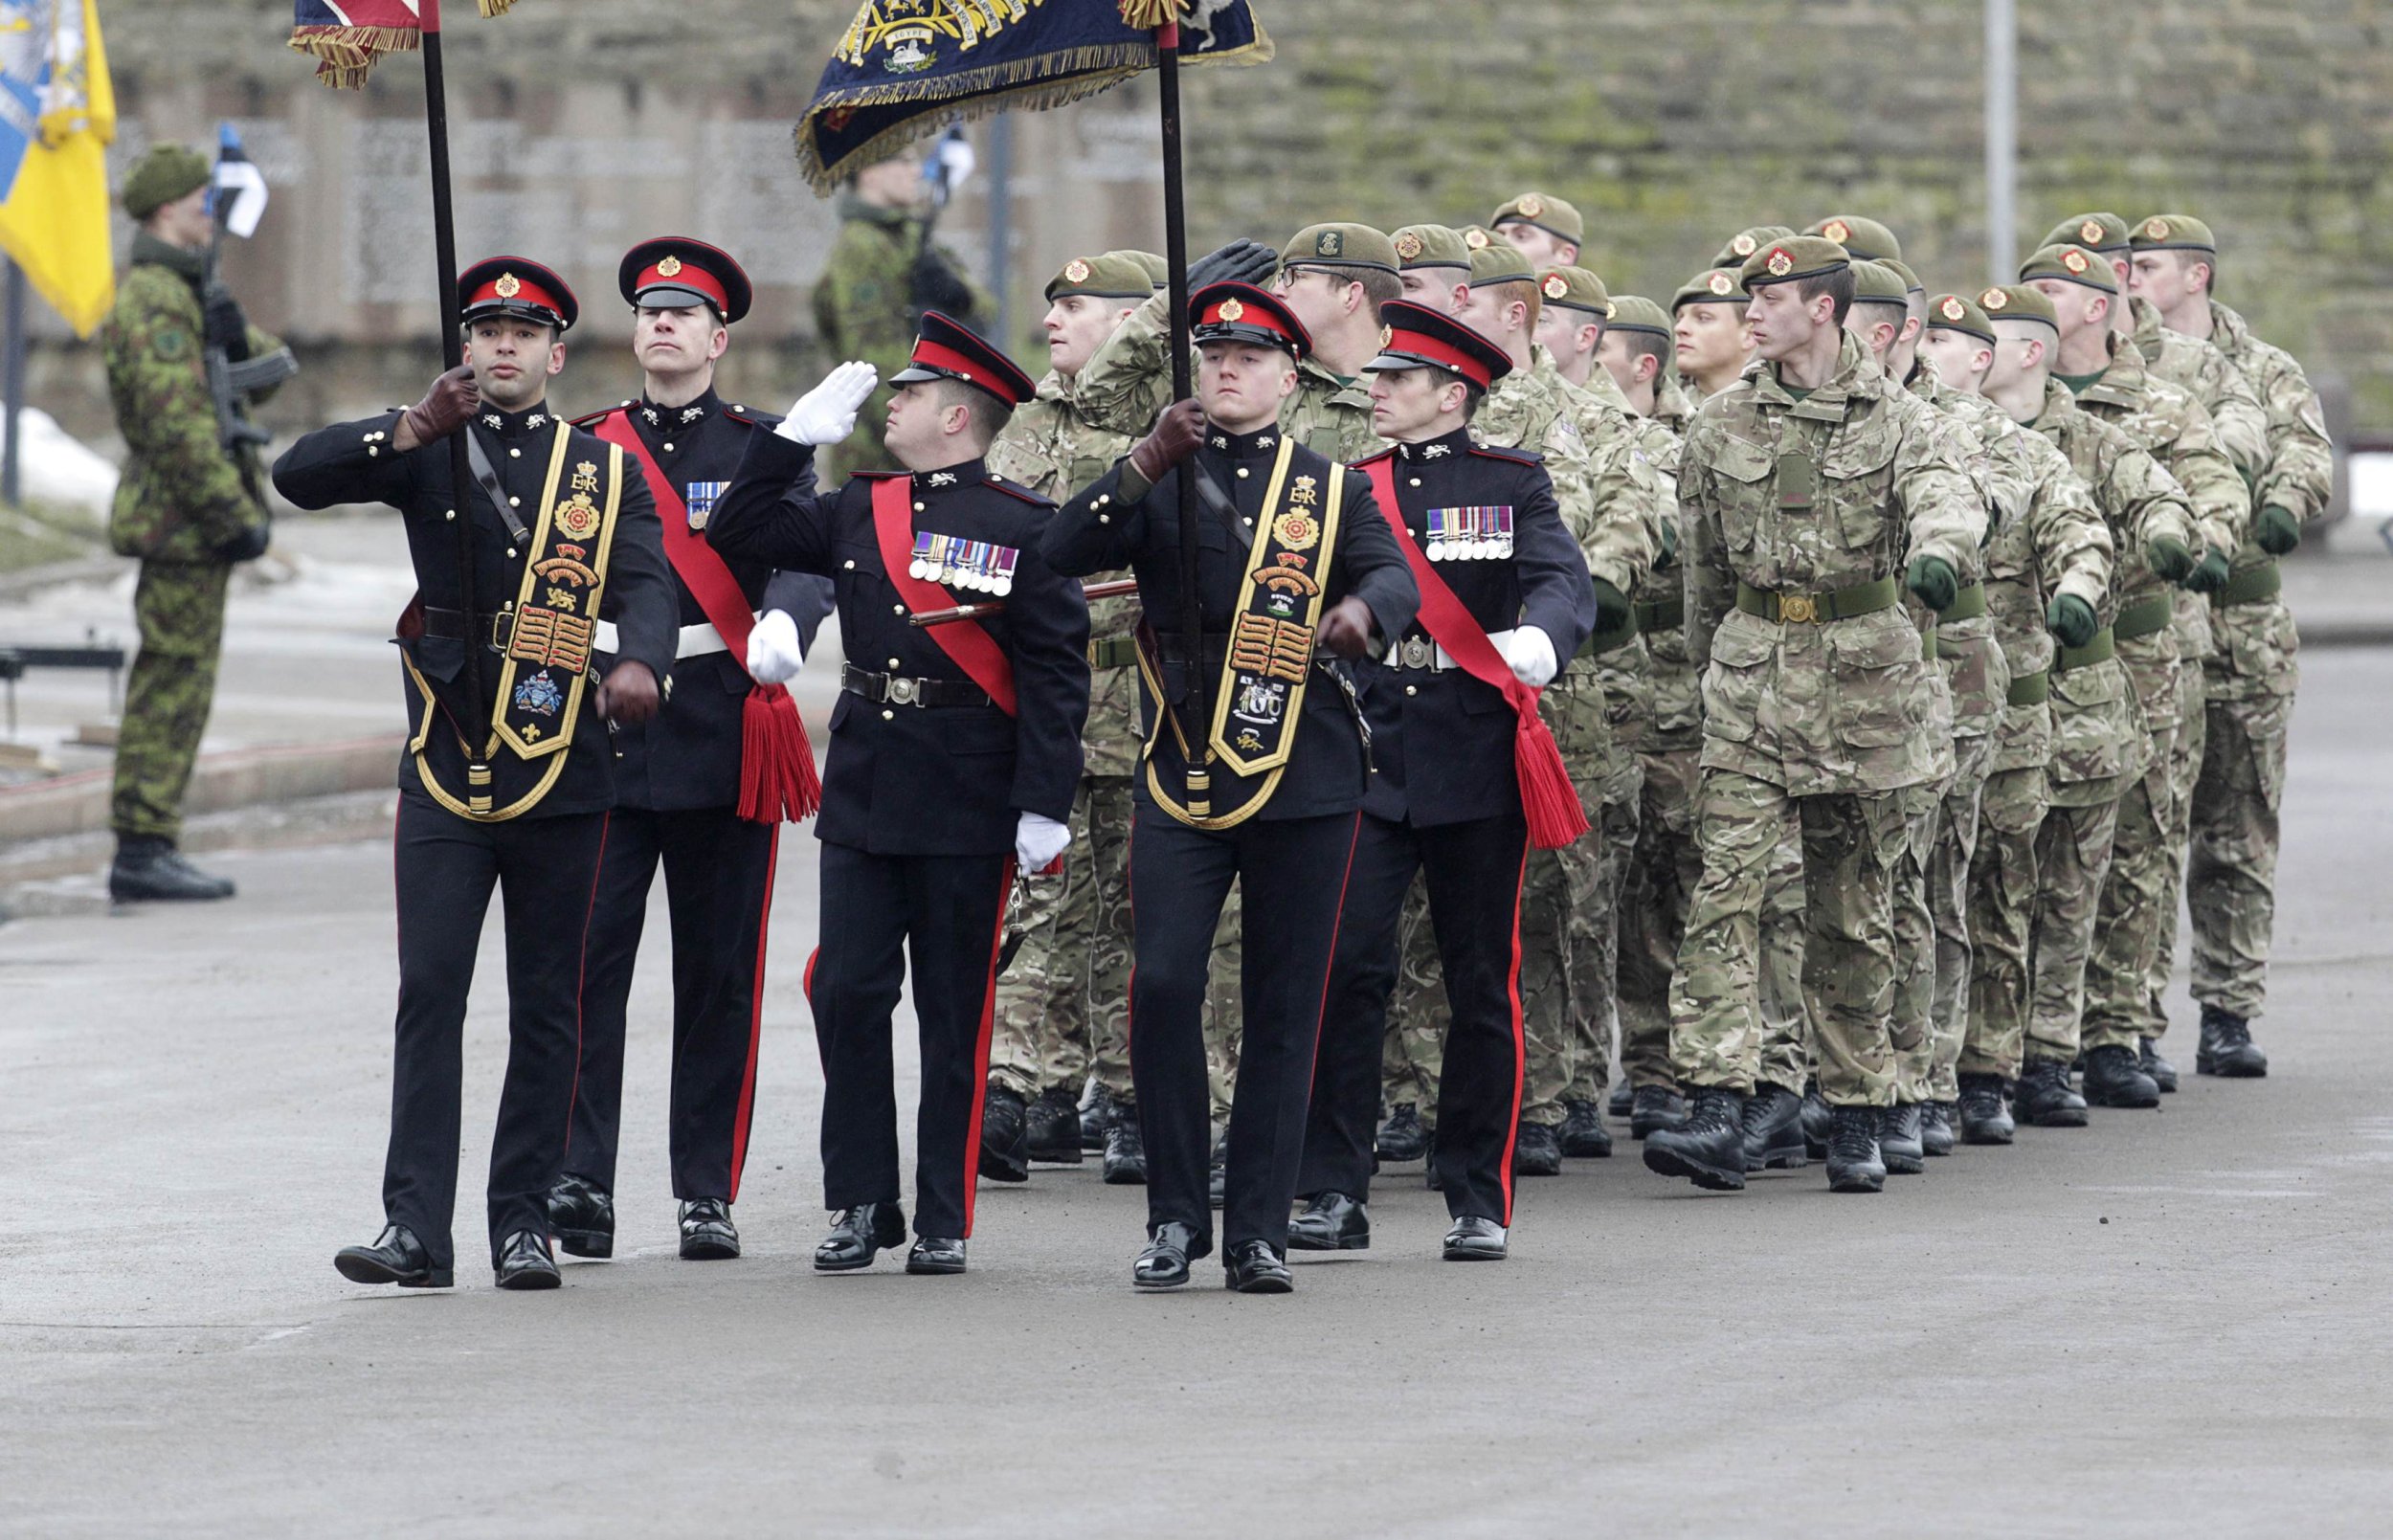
x=347, y=38
x=906, y=68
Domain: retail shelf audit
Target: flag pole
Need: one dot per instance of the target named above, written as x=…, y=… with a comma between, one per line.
x=452, y=354
x=1191, y=617
x=13, y=384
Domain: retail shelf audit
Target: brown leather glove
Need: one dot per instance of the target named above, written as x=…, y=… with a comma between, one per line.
x=1176, y=435
x=1346, y=628
x=452, y=399
x=628, y=695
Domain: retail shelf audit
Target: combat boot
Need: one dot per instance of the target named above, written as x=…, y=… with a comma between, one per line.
x=1537, y=1151
x=149, y=869
x=1218, y=1177
x=1819, y=1118
x=1584, y=1137
x=1053, y=1134
x=1936, y=1127
x=1709, y=1148
x=1125, y=1149
x=1096, y=1118
x=2226, y=1047
x=1623, y=1098
x=1985, y=1118
x=2113, y=1078
x=1898, y=1139
x=1773, y=1129
x=1853, y=1162
x=2163, y=1073
x=2045, y=1099
x=1404, y=1136
x=1004, y=1136
x=1653, y=1108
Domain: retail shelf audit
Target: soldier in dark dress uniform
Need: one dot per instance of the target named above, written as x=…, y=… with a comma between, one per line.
x=512, y=790
x=954, y=754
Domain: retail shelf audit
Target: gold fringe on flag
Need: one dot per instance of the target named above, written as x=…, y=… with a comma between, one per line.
x=345, y=56
x=496, y=7
x=1149, y=14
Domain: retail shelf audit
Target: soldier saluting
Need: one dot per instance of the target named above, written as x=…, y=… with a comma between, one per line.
x=1292, y=551
x=954, y=754
x=564, y=540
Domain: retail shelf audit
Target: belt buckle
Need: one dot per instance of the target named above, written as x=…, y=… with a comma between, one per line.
x=1417, y=652
x=1801, y=609
x=502, y=631
x=903, y=692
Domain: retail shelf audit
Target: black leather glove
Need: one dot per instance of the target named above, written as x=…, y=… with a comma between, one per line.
x=2070, y=619
x=249, y=544
x=1241, y=262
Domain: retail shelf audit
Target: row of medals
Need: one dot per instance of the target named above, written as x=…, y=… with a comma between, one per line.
x=1469, y=534
x=963, y=564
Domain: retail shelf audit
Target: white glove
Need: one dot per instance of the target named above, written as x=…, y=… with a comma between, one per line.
x=826, y=414
x=773, y=653
x=1038, y=841
x=1530, y=653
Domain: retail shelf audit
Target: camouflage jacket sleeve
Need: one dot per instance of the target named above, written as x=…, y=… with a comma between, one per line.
x=1941, y=502
x=2300, y=475
x=2218, y=497
x=1632, y=503
x=177, y=475
x=2147, y=501
x=2072, y=542
x=1126, y=383
x=2236, y=417
x=1710, y=582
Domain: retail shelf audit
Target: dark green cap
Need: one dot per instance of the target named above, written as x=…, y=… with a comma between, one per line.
x=2071, y=265
x=2017, y=302
x=1634, y=312
x=1158, y=270
x=164, y=174
x=1949, y=312
x=2097, y=232
x=1113, y=276
x=1430, y=246
x=1903, y=270
x=1868, y=240
x=1713, y=285
x=1797, y=256
x=2174, y=233
x=1500, y=261
x=1745, y=242
x=1876, y=284
x=1575, y=288
x=1339, y=246
x=1546, y=213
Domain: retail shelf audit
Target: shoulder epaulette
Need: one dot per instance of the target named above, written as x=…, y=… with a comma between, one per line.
x=754, y=419
x=877, y=476
x=590, y=422
x=1371, y=459
x=1013, y=489
x=1518, y=457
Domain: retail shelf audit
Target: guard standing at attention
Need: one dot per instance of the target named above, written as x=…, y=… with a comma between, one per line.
x=513, y=788
x=703, y=788
x=954, y=754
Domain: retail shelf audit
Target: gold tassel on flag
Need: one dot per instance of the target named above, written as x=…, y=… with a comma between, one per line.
x=1149, y=14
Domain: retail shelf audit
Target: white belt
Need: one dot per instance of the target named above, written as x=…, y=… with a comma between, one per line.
x=1418, y=651
x=695, y=641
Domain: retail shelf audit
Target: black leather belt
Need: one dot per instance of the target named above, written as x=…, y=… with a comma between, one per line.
x=457, y=625
x=884, y=689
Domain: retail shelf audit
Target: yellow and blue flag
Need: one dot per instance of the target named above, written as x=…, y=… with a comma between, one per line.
x=60, y=113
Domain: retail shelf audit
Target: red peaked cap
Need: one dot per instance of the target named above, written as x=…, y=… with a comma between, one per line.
x=947, y=349
x=1240, y=312
x=520, y=287
x=673, y=271
x=1417, y=336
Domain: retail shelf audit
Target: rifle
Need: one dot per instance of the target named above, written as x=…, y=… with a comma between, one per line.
x=232, y=375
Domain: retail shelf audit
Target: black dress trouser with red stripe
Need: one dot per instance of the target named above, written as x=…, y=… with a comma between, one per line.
x=718, y=885
x=1474, y=874
x=1292, y=875
x=940, y=914
x=445, y=867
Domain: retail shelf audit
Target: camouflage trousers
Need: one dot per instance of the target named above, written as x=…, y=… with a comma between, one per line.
x=1410, y=1054
x=1663, y=871
x=179, y=608
x=1934, y=994
x=2002, y=896
x=2185, y=769
x=2231, y=877
x=1786, y=1049
x=2127, y=920
x=1851, y=843
x=2072, y=862
x=1063, y=1010
x=1225, y=998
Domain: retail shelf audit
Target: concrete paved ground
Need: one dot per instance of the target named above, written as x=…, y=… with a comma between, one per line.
x=2168, y=1324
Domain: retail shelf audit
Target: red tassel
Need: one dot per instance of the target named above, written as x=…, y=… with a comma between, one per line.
x=777, y=779
x=1548, y=798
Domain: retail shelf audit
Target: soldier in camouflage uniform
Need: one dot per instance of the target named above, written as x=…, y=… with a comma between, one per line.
x=1813, y=493
x=188, y=508
x=2113, y=381
x=2250, y=679
x=1062, y=1008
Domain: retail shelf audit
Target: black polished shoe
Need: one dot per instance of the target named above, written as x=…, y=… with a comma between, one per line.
x=859, y=1233
x=2226, y=1047
x=1053, y=1133
x=1253, y=1267
x=1624, y=1098
x=2115, y=1079
x=397, y=1257
x=1164, y=1264
x=1126, y=1150
x=1709, y=1150
x=1654, y=1110
x=936, y=1254
x=1819, y=1121
x=1404, y=1136
x=148, y=869
x=1900, y=1144
x=1331, y=1221
x=1773, y=1129
x=2045, y=1099
x=1096, y=1118
x=1853, y=1162
x=1218, y=1175
x=581, y=1215
x=1935, y=1128
x=1475, y=1238
x=524, y=1262
x=2163, y=1073
x=1537, y=1151
x=708, y=1233
x=1986, y=1118
x=1583, y=1135
x=1004, y=1136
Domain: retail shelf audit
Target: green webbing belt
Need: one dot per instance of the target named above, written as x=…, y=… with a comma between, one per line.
x=1967, y=605
x=2032, y=689
x=2145, y=617
x=1660, y=615
x=2101, y=650
x=2250, y=586
x=1801, y=609
x=1113, y=651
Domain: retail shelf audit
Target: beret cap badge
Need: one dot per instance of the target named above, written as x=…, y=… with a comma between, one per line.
x=1556, y=285
x=1838, y=230
x=2090, y=232
x=1780, y=263
x=1953, y=308
x=1994, y=299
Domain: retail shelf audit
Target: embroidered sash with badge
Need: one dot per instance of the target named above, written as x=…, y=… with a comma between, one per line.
x=556, y=612
x=1262, y=690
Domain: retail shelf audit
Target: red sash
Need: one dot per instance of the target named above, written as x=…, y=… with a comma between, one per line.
x=969, y=646
x=1547, y=799
x=777, y=778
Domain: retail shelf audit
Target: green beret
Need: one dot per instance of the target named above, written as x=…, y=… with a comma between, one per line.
x=1745, y=242
x=1339, y=246
x=2098, y=232
x=1634, y=312
x=1550, y=214
x=1430, y=246
x=1864, y=238
x=2017, y=302
x=165, y=173
x=1949, y=312
x=1575, y=288
x=1903, y=270
x=1876, y=284
x=1158, y=270
x=1713, y=285
x=1113, y=276
x=2174, y=233
x=2071, y=265
x=1797, y=256
x=1500, y=261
